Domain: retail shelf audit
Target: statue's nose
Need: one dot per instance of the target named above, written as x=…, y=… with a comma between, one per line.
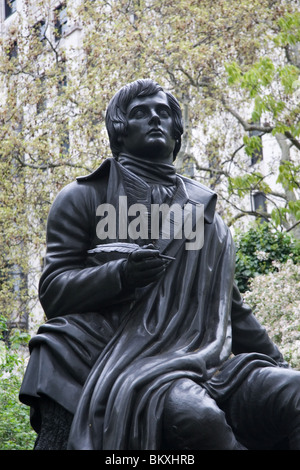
x=154, y=119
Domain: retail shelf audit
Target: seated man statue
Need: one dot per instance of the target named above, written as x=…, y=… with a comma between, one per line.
x=148, y=344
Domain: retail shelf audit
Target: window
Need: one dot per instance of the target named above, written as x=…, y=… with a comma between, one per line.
x=10, y=7
x=42, y=102
x=14, y=277
x=62, y=81
x=40, y=31
x=64, y=140
x=257, y=153
x=20, y=281
x=213, y=163
x=13, y=51
x=61, y=22
x=64, y=145
x=259, y=203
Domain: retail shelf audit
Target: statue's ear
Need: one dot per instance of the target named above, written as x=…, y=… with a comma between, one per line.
x=119, y=144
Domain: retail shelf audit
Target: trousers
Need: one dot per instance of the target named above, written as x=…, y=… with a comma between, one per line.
x=262, y=414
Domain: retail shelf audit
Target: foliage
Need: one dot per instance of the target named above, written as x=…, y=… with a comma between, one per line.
x=275, y=298
x=15, y=430
x=270, y=86
x=54, y=93
x=258, y=248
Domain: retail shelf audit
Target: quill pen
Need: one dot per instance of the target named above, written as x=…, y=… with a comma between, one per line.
x=121, y=247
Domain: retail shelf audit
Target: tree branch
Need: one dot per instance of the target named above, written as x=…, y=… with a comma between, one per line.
x=244, y=213
x=211, y=170
x=51, y=165
x=293, y=226
x=247, y=127
x=255, y=127
x=294, y=141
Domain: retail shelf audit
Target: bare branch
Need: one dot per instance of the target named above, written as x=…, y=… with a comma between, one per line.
x=247, y=127
x=243, y=213
x=255, y=127
x=293, y=140
x=211, y=170
x=293, y=226
x=51, y=165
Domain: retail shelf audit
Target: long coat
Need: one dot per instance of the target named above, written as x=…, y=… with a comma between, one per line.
x=109, y=355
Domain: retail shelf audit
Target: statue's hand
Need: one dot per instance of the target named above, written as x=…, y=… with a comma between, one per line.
x=143, y=267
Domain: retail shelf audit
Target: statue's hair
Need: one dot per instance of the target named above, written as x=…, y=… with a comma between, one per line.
x=116, y=122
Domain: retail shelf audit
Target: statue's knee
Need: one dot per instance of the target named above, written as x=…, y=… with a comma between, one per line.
x=292, y=387
x=284, y=385
x=189, y=409
x=193, y=420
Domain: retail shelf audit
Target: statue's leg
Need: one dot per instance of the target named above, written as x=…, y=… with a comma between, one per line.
x=55, y=426
x=265, y=410
x=193, y=421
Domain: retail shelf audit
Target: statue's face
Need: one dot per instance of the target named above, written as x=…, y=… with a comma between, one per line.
x=150, y=128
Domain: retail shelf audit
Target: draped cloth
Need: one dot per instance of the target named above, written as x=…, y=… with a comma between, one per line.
x=164, y=337
x=112, y=366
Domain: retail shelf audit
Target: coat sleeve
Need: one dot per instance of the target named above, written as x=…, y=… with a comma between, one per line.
x=68, y=284
x=248, y=335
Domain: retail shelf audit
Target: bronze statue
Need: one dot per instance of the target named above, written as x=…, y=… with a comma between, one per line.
x=148, y=344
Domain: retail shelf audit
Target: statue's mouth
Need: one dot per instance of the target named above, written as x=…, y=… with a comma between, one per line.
x=155, y=131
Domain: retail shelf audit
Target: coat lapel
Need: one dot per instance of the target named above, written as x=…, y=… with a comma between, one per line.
x=122, y=182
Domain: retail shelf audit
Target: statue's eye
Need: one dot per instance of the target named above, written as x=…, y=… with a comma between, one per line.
x=164, y=112
x=138, y=113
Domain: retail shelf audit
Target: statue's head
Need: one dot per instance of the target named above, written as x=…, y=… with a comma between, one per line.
x=116, y=114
